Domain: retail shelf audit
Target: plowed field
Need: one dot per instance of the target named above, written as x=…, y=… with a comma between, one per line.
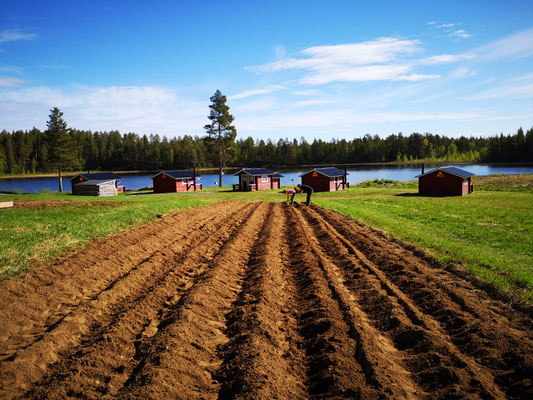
x=262, y=301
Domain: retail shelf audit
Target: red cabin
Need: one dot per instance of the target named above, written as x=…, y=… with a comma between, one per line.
x=327, y=179
x=96, y=176
x=175, y=181
x=445, y=181
x=252, y=179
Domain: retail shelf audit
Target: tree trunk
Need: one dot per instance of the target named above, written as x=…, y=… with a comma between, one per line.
x=220, y=157
x=60, y=179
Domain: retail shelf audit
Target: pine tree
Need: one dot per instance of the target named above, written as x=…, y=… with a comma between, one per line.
x=221, y=129
x=59, y=143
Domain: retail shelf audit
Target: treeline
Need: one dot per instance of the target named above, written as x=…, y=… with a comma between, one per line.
x=26, y=151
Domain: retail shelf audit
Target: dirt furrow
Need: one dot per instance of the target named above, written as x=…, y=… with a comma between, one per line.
x=382, y=363
x=480, y=377
x=262, y=359
x=181, y=359
x=336, y=366
x=497, y=336
x=93, y=313
x=112, y=344
x=77, y=278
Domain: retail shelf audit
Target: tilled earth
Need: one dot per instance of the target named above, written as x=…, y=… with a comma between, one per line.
x=260, y=301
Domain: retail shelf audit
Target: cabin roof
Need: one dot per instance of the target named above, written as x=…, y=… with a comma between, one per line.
x=98, y=176
x=95, y=182
x=461, y=173
x=177, y=174
x=255, y=171
x=330, y=172
x=277, y=175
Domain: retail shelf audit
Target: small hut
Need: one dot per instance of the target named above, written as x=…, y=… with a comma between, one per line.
x=176, y=181
x=328, y=179
x=445, y=181
x=95, y=188
x=97, y=176
x=252, y=179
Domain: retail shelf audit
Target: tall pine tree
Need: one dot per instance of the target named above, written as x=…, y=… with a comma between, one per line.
x=221, y=129
x=60, y=148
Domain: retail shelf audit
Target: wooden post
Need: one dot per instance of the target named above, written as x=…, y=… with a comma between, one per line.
x=194, y=177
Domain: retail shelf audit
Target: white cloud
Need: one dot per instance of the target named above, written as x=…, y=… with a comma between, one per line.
x=462, y=72
x=381, y=59
x=256, y=92
x=140, y=109
x=519, y=87
x=445, y=59
x=431, y=23
x=6, y=81
x=519, y=45
x=460, y=34
x=15, y=35
x=446, y=26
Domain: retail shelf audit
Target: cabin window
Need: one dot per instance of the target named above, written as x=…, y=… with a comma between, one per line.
x=264, y=178
x=184, y=181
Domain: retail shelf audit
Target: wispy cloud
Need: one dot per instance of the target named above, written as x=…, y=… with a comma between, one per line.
x=520, y=87
x=141, y=109
x=519, y=45
x=445, y=59
x=462, y=72
x=6, y=81
x=256, y=92
x=460, y=34
x=378, y=60
x=15, y=35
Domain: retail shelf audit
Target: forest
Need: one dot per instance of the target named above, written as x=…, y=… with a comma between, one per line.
x=25, y=152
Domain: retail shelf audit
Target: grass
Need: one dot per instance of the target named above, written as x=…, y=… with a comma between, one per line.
x=489, y=232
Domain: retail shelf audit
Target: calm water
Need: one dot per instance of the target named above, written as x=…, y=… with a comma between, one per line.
x=356, y=175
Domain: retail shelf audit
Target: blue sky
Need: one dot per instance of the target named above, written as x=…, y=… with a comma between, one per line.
x=312, y=69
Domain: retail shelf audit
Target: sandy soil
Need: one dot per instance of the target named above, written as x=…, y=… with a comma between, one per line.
x=257, y=300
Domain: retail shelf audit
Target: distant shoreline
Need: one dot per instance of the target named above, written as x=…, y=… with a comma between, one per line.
x=281, y=167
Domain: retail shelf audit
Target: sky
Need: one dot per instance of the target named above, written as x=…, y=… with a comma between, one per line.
x=289, y=69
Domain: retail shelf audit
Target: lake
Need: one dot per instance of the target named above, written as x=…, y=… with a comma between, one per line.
x=290, y=177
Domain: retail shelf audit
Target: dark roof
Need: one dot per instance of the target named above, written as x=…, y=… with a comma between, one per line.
x=461, y=173
x=96, y=182
x=98, y=176
x=177, y=174
x=255, y=171
x=277, y=175
x=330, y=172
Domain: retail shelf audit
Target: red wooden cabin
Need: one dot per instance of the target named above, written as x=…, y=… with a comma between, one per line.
x=445, y=181
x=327, y=179
x=252, y=179
x=96, y=176
x=175, y=181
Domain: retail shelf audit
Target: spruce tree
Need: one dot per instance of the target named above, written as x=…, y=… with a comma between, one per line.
x=60, y=148
x=221, y=129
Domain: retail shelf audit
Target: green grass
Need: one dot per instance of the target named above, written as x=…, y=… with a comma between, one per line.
x=490, y=232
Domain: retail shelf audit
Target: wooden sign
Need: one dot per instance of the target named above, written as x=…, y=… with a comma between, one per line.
x=439, y=175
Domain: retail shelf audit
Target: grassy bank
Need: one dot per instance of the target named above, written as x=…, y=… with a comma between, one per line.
x=490, y=232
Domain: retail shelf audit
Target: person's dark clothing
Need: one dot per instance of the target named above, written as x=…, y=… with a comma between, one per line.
x=309, y=191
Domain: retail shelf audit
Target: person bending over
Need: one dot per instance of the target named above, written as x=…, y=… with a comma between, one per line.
x=308, y=190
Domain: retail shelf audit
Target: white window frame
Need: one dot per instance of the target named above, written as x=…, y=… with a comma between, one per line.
x=264, y=178
x=184, y=181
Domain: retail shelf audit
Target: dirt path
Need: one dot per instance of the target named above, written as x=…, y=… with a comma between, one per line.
x=257, y=300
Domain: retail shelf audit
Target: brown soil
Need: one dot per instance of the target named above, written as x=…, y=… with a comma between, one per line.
x=262, y=301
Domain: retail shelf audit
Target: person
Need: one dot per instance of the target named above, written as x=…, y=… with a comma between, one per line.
x=289, y=193
x=308, y=190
